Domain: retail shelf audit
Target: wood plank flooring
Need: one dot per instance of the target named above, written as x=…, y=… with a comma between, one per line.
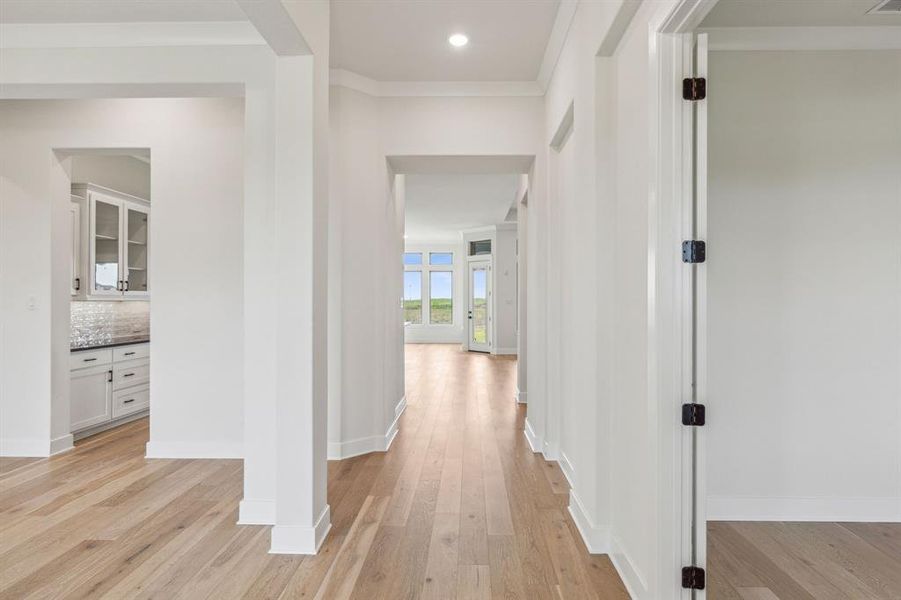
x=459, y=507
x=804, y=561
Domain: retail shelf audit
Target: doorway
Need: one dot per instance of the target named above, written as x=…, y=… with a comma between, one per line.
x=480, y=305
x=790, y=498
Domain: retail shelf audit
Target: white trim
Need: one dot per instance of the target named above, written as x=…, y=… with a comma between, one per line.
x=20, y=447
x=803, y=38
x=256, y=512
x=850, y=509
x=597, y=539
x=366, y=445
x=555, y=42
x=631, y=576
x=296, y=539
x=195, y=450
x=568, y=470
x=535, y=442
x=521, y=397
x=360, y=83
x=63, y=443
x=505, y=351
x=550, y=451
x=130, y=35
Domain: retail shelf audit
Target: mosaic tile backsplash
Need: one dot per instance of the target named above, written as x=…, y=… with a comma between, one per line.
x=98, y=323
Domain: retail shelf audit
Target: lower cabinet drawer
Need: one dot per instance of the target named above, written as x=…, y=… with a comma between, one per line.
x=130, y=401
x=131, y=373
x=90, y=358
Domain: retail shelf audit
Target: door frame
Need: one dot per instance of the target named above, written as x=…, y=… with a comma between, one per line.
x=672, y=313
x=470, y=269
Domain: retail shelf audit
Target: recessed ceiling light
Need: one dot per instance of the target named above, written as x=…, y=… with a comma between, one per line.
x=458, y=40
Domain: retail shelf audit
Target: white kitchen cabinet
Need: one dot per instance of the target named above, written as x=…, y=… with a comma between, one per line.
x=108, y=386
x=118, y=243
x=75, y=276
x=91, y=392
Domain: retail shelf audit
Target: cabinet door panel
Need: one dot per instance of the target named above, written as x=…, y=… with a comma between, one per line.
x=75, y=275
x=137, y=238
x=106, y=246
x=91, y=395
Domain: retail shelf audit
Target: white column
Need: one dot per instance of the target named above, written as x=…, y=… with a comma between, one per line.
x=260, y=307
x=302, y=514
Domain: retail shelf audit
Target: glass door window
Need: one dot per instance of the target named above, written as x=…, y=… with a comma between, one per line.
x=413, y=297
x=106, y=246
x=479, y=306
x=137, y=236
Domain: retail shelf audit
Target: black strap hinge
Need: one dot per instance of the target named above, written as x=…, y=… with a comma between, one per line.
x=694, y=415
x=694, y=251
x=693, y=578
x=694, y=88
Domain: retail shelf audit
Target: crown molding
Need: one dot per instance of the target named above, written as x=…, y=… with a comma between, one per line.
x=565, y=14
x=355, y=81
x=128, y=35
x=803, y=38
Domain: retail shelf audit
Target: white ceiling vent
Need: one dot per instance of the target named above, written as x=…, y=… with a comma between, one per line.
x=886, y=7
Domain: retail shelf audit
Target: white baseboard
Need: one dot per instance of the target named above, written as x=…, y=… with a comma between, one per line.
x=597, y=539
x=631, y=576
x=550, y=451
x=860, y=510
x=373, y=443
x=22, y=447
x=256, y=512
x=351, y=448
x=521, y=397
x=35, y=448
x=505, y=351
x=194, y=450
x=568, y=470
x=296, y=539
x=63, y=443
x=535, y=442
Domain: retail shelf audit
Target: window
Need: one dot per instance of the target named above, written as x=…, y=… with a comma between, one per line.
x=413, y=297
x=479, y=247
x=441, y=258
x=412, y=258
x=441, y=298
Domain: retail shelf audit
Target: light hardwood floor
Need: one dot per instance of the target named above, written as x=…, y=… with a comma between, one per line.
x=804, y=561
x=459, y=507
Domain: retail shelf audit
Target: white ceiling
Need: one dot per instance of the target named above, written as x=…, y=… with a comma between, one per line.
x=796, y=13
x=438, y=207
x=118, y=11
x=406, y=40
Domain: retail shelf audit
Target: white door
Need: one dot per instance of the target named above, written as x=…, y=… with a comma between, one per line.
x=105, y=262
x=480, y=305
x=91, y=396
x=694, y=388
x=136, y=271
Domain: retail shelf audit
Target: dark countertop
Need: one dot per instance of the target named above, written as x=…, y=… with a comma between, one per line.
x=127, y=341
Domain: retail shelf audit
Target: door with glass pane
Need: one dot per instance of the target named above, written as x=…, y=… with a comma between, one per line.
x=105, y=250
x=480, y=306
x=137, y=236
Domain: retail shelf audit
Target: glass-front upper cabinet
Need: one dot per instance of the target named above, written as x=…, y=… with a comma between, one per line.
x=105, y=245
x=137, y=230
x=118, y=229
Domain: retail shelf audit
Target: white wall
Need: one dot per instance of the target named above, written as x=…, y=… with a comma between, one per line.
x=121, y=173
x=364, y=281
x=804, y=282
x=426, y=333
x=366, y=131
x=197, y=296
x=504, y=289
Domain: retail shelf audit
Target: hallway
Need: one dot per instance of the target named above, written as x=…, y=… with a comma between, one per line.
x=458, y=508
